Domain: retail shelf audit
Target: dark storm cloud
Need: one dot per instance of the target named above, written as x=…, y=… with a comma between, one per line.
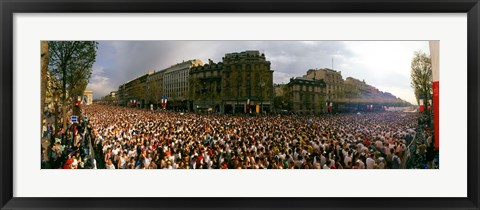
x=120, y=61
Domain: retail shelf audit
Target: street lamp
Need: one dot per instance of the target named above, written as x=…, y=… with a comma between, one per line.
x=262, y=84
x=238, y=94
x=204, y=90
x=56, y=112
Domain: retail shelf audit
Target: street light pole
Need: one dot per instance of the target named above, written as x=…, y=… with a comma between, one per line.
x=56, y=113
x=262, y=84
x=238, y=95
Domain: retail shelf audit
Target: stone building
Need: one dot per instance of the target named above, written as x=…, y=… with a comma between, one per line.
x=361, y=86
x=150, y=88
x=133, y=93
x=333, y=80
x=360, y=96
x=307, y=95
x=87, y=97
x=206, y=87
x=242, y=82
x=175, y=83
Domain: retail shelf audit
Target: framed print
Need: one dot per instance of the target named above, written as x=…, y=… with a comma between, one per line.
x=248, y=104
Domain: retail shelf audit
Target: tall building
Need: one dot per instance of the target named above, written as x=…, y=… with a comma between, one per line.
x=150, y=88
x=307, y=95
x=242, y=82
x=333, y=80
x=176, y=83
x=206, y=87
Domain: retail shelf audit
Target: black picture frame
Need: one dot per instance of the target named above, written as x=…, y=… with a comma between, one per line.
x=10, y=7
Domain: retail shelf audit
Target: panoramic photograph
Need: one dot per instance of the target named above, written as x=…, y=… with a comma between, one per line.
x=239, y=104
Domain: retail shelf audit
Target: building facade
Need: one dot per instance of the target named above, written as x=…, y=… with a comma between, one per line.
x=175, y=83
x=361, y=86
x=333, y=80
x=171, y=83
x=206, y=87
x=134, y=92
x=307, y=95
x=241, y=83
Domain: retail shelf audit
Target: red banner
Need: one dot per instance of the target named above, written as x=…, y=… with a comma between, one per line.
x=436, y=112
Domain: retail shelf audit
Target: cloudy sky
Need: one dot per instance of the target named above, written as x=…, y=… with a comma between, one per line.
x=383, y=64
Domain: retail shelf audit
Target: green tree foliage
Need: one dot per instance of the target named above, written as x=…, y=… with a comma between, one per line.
x=71, y=62
x=44, y=67
x=284, y=100
x=154, y=93
x=421, y=75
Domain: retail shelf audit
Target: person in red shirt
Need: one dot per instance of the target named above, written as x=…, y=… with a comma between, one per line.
x=366, y=142
x=68, y=163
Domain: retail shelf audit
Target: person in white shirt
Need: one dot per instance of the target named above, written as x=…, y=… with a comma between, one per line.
x=109, y=164
x=132, y=153
x=370, y=162
x=122, y=162
x=348, y=159
x=361, y=165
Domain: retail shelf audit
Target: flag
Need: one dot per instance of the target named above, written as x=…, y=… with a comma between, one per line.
x=434, y=56
x=421, y=105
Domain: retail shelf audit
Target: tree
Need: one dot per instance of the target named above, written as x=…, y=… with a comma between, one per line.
x=284, y=100
x=421, y=75
x=71, y=62
x=44, y=69
x=154, y=92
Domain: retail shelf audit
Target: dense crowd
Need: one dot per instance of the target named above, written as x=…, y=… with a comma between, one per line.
x=127, y=138
x=69, y=147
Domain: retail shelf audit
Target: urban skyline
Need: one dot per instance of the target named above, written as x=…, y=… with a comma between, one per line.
x=120, y=61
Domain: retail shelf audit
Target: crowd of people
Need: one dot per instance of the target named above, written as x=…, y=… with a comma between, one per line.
x=129, y=138
x=69, y=147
